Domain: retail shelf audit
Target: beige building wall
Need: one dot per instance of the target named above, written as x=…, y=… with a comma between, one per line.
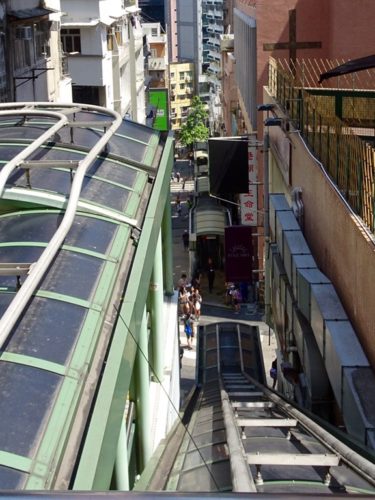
x=181, y=78
x=342, y=248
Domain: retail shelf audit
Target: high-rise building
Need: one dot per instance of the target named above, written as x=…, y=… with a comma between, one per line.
x=154, y=11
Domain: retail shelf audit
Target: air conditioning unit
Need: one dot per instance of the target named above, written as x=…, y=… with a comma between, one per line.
x=24, y=33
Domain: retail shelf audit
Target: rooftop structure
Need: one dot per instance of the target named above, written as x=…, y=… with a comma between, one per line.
x=84, y=195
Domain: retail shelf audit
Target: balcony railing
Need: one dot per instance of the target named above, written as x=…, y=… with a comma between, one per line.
x=348, y=159
x=156, y=63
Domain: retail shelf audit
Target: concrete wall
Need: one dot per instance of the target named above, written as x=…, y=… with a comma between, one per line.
x=352, y=21
x=339, y=244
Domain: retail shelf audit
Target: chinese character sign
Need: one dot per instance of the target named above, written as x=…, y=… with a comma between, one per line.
x=249, y=201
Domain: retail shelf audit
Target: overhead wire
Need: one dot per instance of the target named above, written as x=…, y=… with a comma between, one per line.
x=169, y=399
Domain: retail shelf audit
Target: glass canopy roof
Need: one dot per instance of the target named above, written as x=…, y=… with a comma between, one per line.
x=49, y=349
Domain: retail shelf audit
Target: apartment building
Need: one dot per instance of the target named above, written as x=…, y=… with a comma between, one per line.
x=210, y=81
x=181, y=77
x=156, y=55
x=103, y=43
x=32, y=66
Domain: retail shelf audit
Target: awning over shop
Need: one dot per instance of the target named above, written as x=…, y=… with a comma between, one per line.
x=27, y=14
x=210, y=218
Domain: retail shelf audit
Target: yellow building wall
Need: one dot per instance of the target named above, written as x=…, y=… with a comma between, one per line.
x=181, y=91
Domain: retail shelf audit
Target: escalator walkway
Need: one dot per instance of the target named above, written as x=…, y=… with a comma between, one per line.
x=241, y=436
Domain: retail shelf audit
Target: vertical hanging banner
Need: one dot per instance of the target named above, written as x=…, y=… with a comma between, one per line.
x=249, y=201
x=238, y=254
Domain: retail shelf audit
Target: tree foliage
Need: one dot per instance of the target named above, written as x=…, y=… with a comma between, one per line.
x=194, y=129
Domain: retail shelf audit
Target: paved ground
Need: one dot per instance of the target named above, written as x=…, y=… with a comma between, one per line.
x=213, y=306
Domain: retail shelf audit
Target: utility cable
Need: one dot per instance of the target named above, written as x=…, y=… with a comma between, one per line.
x=169, y=399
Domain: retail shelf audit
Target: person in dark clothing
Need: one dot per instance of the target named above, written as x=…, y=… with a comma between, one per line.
x=210, y=276
x=185, y=239
x=273, y=373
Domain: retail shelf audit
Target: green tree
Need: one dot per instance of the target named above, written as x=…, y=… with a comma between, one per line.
x=194, y=129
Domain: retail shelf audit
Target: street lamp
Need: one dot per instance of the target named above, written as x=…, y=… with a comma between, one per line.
x=268, y=122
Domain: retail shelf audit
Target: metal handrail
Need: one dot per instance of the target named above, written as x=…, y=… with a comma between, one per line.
x=16, y=307
x=361, y=465
x=241, y=476
x=14, y=162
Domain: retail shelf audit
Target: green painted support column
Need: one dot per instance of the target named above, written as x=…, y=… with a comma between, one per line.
x=167, y=249
x=142, y=377
x=121, y=465
x=156, y=296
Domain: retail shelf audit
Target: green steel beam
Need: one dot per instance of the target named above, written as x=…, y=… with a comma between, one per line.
x=98, y=454
x=42, y=364
x=156, y=293
x=167, y=250
x=142, y=380
x=14, y=461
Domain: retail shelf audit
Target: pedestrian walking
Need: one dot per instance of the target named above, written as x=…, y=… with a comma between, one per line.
x=178, y=205
x=196, y=279
x=185, y=239
x=183, y=179
x=182, y=282
x=197, y=304
x=210, y=275
x=236, y=299
x=273, y=373
x=178, y=176
x=184, y=301
x=188, y=329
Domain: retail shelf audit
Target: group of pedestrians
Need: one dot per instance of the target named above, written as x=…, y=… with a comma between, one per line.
x=190, y=303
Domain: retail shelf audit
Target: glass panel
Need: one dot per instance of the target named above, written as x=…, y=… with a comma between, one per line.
x=116, y=173
x=87, y=138
x=86, y=232
x=105, y=194
x=94, y=190
x=48, y=330
x=26, y=395
x=57, y=180
x=11, y=479
x=92, y=234
x=128, y=149
x=73, y=274
x=17, y=255
x=29, y=227
x=7, y=152
x=136, y=131
x=20, y=254
x=5, y=299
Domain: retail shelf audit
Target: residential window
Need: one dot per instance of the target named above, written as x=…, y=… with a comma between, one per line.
x=71, y=40
x=118, y=34
x=41, y=32
x=109, y=39
x=182, y=75
x=154, y=31
x=172, y=75
x=182, y=86
x=24, y=47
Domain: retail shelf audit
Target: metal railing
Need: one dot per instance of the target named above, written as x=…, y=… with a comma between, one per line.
x=348, y=159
